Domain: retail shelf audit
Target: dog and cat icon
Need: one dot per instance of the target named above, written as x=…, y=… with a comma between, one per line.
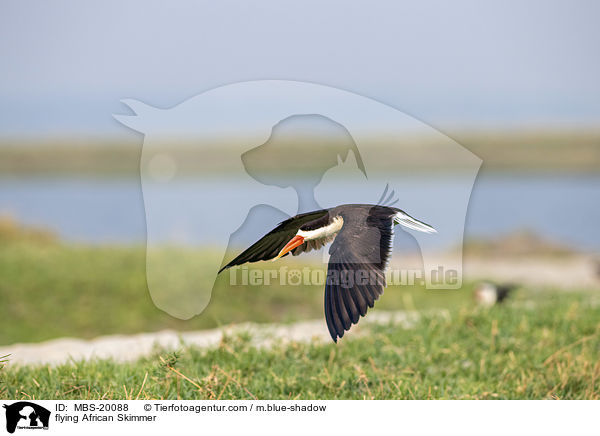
x=26, y=415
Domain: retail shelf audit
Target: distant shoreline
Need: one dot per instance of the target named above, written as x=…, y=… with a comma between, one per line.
x=564, y=151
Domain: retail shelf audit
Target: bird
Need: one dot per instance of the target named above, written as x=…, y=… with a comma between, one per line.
x=489, y=294
x=361, y=237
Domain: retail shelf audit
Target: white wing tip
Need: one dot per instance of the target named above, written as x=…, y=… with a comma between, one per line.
x=411, y=223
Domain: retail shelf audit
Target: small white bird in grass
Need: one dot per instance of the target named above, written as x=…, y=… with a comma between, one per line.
x=488, y=294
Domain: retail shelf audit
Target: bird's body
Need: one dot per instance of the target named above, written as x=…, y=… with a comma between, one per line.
x=361, y=243
x=488, y=294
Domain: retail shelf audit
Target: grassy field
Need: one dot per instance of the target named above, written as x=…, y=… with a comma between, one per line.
x=51, y=290
x=542, y=344
x=546, y=350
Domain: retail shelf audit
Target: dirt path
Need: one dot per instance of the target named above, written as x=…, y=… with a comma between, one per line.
x=131, y=347
x=577, y=272
x=568, y=273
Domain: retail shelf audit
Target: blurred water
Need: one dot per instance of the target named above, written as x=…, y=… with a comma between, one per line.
x=563, y=208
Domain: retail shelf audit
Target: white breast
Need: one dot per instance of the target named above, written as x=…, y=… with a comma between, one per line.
x=324, y=232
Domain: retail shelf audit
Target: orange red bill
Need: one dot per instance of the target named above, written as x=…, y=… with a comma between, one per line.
x=296, y=241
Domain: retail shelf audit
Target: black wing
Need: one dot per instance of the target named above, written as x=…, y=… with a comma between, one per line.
x=270, y=245
x=356, y=272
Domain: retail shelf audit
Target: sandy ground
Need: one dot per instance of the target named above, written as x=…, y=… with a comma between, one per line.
x=567, y=273
x=131, y=347
x=576, y=272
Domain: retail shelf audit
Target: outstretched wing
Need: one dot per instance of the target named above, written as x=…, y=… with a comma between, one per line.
x=269, y=246
x=356, y=272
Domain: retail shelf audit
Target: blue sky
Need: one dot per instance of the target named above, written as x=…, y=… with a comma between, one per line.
x=65, y=65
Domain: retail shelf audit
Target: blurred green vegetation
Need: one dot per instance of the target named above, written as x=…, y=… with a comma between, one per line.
x=11, y=231
x=537, y=346
x=517, y=244
x=566, y=150
x=51, y=289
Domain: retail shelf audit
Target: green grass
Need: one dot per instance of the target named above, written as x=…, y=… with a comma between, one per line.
x=518, y=351
x=541, y=344
x=51, y=290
